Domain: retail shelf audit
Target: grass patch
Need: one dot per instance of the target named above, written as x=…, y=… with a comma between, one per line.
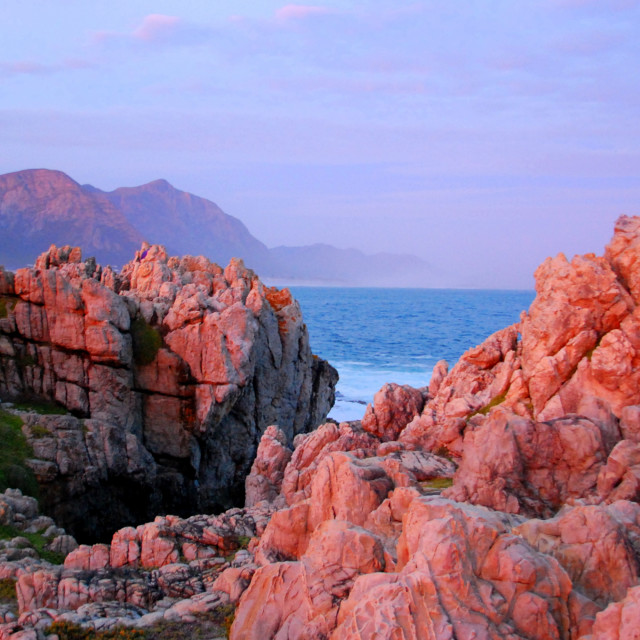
x=38, y=431
x=437, y=483
x=8, y=590
x=207, y=625
x=243, y=542
x=146, y=341
x=7, y=304
x=494, y=403
x=70, y=631
x=41, y=407
x=14, y=451
x=36, y=540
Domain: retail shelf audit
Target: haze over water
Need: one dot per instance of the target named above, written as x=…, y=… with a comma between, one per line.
x=375, y=336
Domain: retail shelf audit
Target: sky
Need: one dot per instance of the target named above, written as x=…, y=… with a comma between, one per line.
x=479, y=135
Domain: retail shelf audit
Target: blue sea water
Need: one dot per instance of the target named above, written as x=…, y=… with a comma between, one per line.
x=374, y=336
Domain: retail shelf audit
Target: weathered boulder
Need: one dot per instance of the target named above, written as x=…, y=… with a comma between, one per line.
x=596, y=545
x=394, y=406
x=517, y=465
x=176, y=358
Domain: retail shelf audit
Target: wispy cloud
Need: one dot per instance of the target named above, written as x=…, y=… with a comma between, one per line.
x=153, y=29
x=156, y=27
x=300, y=12
x=33, y=68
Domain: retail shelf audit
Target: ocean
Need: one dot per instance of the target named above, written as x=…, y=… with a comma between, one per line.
x=374, y=336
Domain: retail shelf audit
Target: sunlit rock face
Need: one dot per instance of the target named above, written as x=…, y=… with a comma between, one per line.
x=172, y=369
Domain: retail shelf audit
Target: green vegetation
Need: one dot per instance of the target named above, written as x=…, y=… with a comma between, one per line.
x=41, y=407
x=443, y=452
x=14, y=473
x=70, y=631
x=38, y=431
x=437, y=483
x=7, y=590
x=206, y=625
x=7, y=303
x=36, y=540
x=146, y=341
x=243, y=542
x=494, y=403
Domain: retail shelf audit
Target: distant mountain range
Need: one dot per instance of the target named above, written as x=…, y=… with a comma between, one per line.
x=40, y=207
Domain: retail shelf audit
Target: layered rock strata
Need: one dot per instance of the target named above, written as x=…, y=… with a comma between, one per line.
x=172, y=369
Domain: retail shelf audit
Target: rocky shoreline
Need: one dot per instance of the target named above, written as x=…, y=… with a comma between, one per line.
x=501, y=502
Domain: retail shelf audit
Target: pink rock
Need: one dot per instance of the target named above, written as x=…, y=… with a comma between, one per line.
x=595, y=545
x=125, y=548
x=394, y=406
x=311, y=449
x=517, y=465
x=619, y=620
x=622, y=253
x=619, y=478
x=300, y=599
x=480, y=378
x=461, y=575
x=155, y=549
x=88, y=557
x=265, y=479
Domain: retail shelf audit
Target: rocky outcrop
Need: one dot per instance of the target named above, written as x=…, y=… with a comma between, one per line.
x=172, y=369
x=488, y=512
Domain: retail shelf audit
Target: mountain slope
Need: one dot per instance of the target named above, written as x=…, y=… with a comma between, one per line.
x=187, y=224
x=39, y=207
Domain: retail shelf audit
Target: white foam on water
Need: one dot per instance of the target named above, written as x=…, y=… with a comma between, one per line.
x=358, y=384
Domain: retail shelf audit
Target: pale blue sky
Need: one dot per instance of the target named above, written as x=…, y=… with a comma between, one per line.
x=482, y=136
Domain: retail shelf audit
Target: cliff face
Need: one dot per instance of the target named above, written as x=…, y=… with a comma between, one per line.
x=172, y=370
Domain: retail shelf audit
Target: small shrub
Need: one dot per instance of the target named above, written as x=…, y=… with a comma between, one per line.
x=437, y=483
x=41, y=407
x=146, y=341
x=443, y=452
x=15, y=450
x=243, y=541
x=38, y=431
x=493, y=403
x=7, y=590
x=37, y=540
x=7, y=304
x=70, y=631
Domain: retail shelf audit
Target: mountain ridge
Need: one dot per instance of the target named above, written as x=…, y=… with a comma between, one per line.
x=40, y=207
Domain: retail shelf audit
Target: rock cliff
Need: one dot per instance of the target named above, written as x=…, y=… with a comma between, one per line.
x=502, y=504
x=171, y=371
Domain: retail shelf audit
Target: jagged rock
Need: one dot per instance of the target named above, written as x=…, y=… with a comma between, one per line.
x=299, y=599
x=517, y=465
x=619, y=620
x=596, y=545
x=176, y=366
x=394, y=406
x=265, y=479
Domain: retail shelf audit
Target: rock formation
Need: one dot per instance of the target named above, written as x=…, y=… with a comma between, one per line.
x=172, y=369
x=502, y=504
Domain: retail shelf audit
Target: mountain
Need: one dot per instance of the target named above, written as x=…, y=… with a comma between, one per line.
x=39, y=207
x=188, y=224
x=320, y=263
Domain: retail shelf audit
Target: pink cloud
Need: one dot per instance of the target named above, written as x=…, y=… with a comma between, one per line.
x=155, y=27
x=26, y=67
x=299, y=12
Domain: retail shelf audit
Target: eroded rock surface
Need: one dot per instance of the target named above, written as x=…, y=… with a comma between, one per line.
x=172, y=369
